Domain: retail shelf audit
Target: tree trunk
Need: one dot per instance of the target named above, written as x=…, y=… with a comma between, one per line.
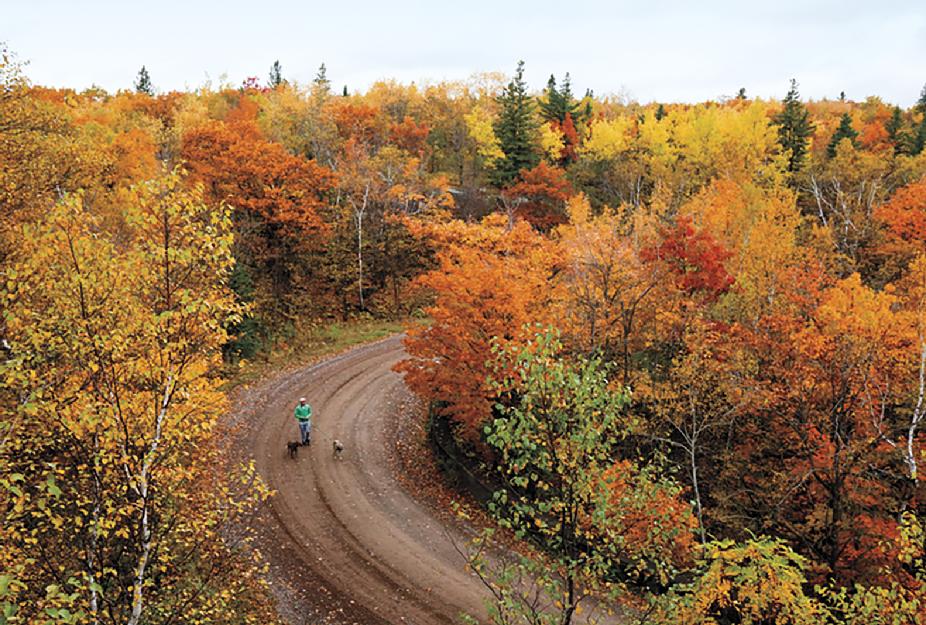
x=697, y=491
x=363, y=208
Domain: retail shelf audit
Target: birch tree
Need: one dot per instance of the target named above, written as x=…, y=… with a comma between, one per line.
x=114, y=508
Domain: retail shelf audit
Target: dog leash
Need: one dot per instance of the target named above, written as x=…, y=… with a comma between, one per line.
x=321, y=431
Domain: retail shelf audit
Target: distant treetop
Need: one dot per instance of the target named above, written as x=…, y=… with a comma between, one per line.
x=276, y=75
x=143, y=82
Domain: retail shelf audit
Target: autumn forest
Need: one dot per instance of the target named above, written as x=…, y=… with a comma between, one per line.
x=684, y=345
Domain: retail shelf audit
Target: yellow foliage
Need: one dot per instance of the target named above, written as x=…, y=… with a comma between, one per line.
x=608, y=139
x=552, y=141
x=479, y=124
x=117, y=337
x=759, y=227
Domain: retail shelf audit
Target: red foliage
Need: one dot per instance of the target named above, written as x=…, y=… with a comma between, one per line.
x=655, y=522
x=410, y=136
x=902, y=221
x=252, y=84
x=695, y=257
x=539, y=196
x=570, y=140
x=904, y=216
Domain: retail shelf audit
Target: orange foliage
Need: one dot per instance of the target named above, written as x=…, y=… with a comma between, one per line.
x=904, y=218
x=570, y=139
x=410, y=136
x=738, y=324
x=135, y=156
x=827, y=423
x=874, y=136
x=655, y=521
x=245, y=111
x=539, y=196
x=160, y=107
x=238, y=166
x=490, y=282
x=355, y=121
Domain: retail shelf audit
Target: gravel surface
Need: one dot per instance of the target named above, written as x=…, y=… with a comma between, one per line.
x=344, y=540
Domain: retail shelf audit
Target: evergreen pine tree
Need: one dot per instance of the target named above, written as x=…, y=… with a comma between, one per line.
x=919, y=139
x=794, y=128
x=896, y=133
x=321, y=79
x=566, y=96
x=143, y=82
x=660, y=112
x=741, y=94
x=276, y=75
x=516, y=129
x=550, y=104
x=921, y=103
x=844, y=131
x=556, y=103
x=344, y=93
x=586, y=114
x=842, y=96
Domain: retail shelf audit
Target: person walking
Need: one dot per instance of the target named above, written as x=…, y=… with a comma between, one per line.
x=303, y=414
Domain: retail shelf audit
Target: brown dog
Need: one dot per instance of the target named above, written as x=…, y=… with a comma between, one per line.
x=293, y=448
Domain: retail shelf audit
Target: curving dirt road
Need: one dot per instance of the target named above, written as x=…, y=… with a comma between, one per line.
x=346, y=540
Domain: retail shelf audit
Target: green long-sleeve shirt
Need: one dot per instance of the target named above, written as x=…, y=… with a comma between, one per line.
x=303, y=412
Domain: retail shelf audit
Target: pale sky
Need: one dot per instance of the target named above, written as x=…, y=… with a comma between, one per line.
x=666, y=50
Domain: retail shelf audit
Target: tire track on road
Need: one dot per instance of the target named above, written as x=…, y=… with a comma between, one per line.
x=347, y=525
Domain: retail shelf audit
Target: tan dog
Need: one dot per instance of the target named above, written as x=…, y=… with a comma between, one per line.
x=337, y=448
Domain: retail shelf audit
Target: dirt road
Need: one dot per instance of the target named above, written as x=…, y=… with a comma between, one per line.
x=348, y=542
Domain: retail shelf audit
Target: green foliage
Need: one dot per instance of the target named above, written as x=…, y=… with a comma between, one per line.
x=794, y=128
x=321, y=81
x=275, y=78
x=524, y=591
x=759, y=582
x=143, y=82
x=557, y=425
x=894, y=603
x=555, y=434
x=559, y=102
x=844, y=131
x=247, y=334
x=516, y=129
x=595, y=521
x=919, y=138
x=896, y=132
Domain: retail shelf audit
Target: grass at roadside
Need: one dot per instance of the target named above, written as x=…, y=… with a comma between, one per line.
x=313, y=344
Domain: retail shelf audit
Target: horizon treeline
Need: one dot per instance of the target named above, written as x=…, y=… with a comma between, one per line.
x=729, y=296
